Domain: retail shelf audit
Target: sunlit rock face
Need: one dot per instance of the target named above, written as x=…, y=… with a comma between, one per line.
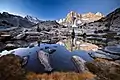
x=80, y=19
x=92, y=17
x=58, y=58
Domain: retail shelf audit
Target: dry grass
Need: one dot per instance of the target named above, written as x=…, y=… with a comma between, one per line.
x=61, y=76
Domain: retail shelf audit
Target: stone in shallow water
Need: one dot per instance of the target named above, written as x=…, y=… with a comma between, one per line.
x=44, y=60
x=24, y=61
x=79, y=63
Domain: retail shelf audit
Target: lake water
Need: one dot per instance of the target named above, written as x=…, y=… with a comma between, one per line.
x=60, y=60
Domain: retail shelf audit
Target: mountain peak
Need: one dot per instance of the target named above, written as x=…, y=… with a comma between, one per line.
x=72, y=11
x=71, y=17
x=74, y=18
x=32, y=19
x=90, y=13
x=99, y=14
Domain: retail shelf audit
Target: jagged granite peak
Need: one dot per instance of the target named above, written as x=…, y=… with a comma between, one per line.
x=72, y=16
x=92, y=16
x=99, y=14
x=60, y=21
x=32, y=19
x=76, y=18
x=88, y=14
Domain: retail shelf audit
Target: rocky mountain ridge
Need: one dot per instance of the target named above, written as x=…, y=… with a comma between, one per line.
x=76, y=18
x=32, y=19
x=111, y=22
x=11, y=20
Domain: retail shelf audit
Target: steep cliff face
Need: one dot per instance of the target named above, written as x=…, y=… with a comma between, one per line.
x=72, y=16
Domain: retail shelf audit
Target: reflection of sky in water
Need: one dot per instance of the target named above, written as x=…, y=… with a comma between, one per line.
x=59, y=60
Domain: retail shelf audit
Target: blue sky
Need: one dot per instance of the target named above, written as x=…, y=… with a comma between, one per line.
x=56, y=9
